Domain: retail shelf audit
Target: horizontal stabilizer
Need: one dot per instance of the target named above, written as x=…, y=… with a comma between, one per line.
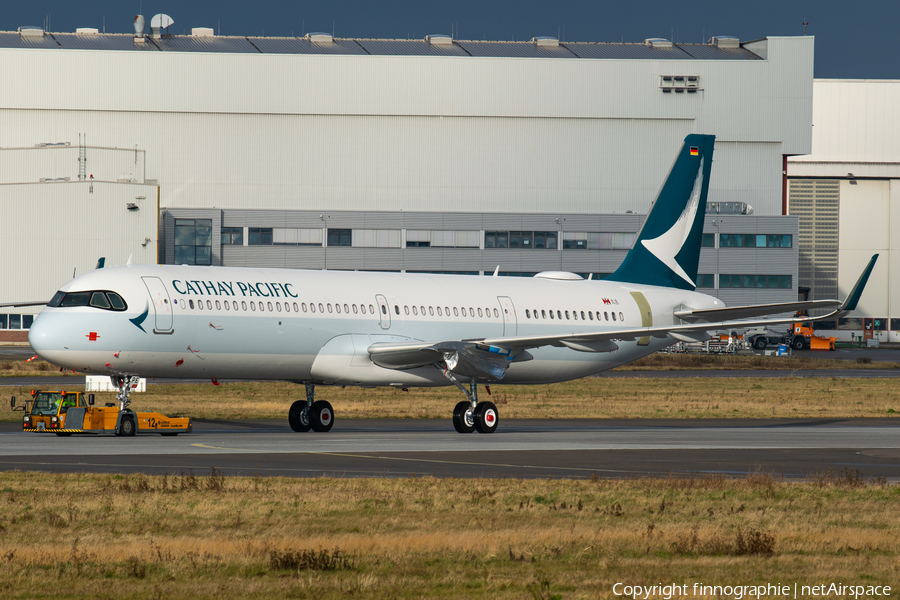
x=20, y=304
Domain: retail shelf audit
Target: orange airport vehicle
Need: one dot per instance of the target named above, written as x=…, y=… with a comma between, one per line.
x=65, y=413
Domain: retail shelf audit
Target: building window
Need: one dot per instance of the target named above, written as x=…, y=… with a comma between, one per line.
x=232, y=236
x=575, y=240
x=260, y=236
x=340, y=237
x=738, y=240
x=193, y=241
x=708, y=241
x=707, y=280
x=423, y=244
x=496, y=239
x=755, y=281
x=521, y=239
x=297, y=237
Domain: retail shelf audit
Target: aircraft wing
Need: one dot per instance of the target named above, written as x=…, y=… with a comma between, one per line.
x=756, y=310
x=20, y=304
x=491, y=354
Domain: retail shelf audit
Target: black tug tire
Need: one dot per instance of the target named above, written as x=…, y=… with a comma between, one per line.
x=322, y=416
x=760, y=343
x=127, y=428
x=461, y=422
x=298, y=417
x=486, y=417
x=799, y=343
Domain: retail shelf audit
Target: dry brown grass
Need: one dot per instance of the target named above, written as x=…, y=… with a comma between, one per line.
x=745, y=397
x=720, y=362
x=186, y=536
x=34, y=368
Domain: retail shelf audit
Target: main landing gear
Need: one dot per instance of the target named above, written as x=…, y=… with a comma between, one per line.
x=311, y=413
x=471, y=415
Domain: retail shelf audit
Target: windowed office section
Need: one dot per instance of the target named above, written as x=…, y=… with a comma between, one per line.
x=743, y=258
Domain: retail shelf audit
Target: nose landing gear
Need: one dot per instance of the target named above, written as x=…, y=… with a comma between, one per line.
x=311, y=413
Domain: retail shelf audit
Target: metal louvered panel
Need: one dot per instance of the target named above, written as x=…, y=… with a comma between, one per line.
x=817, y=204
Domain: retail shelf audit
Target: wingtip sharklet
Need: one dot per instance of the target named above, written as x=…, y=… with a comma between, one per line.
x=852, y=300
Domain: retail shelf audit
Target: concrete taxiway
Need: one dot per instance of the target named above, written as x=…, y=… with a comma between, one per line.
x=794, y=448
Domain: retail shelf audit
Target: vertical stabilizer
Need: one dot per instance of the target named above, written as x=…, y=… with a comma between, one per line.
x=667, y=249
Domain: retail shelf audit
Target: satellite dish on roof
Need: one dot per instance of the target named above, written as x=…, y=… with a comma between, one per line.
x=162, y=21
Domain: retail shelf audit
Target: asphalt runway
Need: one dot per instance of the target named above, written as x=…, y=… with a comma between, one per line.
x=794, y=448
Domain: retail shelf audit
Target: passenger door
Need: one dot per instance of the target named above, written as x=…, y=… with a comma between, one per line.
x=384, y=312
x=162, y=304
x=508, y=314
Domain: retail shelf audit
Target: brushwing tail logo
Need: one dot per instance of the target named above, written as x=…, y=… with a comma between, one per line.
x=139, y=320
x=669, y=244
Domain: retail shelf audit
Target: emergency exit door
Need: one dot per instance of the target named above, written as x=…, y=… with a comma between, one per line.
x=161, y=303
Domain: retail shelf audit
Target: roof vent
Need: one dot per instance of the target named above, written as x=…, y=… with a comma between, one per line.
x=658, y=43
x=203, y=32
x=726, y=41
x=559, y=275
x=87, y=31
x=320, y=38
x=158, y=23
x=31, y=31
x=439, y=39
x=545, y=41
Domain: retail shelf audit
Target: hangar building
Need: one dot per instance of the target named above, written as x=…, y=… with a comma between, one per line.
x=433, y=155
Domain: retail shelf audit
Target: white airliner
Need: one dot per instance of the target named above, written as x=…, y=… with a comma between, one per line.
x=403, y=330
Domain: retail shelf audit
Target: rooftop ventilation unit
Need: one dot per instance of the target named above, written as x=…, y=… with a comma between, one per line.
x=87, y=31
x=31, y=31
x=158, y=23
x=545, y=41
x=726, y=41
x=658, y=43
x=203, y=32
x=319, y=37
x=439, y=39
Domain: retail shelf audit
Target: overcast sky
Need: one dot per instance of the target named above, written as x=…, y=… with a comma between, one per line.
x=854, y=40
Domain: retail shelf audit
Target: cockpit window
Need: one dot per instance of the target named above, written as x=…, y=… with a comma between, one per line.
x=99, y=299
x=76, y=299
x=116, y=301
x=57, y=298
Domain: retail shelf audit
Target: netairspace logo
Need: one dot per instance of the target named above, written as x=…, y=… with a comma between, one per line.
x=739, y=592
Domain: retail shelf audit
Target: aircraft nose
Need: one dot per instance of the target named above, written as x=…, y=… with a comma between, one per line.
x=48, y=339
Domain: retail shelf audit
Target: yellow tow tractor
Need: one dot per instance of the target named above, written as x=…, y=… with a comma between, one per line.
x=65, y=413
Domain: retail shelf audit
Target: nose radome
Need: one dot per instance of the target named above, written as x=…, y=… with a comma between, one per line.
x=47, y=339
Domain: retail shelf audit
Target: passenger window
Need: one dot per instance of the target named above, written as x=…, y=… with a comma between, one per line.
x=218, y=306
x=321, y=308
x=567, y=316
x=471, y=312
x=296, y=307
x=415, y=311
x=191, y=302
x=479, y=312
x=372, y=309
x=543, y=314
x=98, y=300
x=362, y=308
x=329, y=307
x=396, y=309
x=354, y=309
x=496, y=313
x=262, y=307
x=278, y=306
x=243, y=305
x=209, y=304
x=287, y=307
x=406, y=310
x=234, y=305
x=269, y=306
x=252, y=306
x=116, y=301
x=422, y=308
x=439, y=311
x=527, y=314
x=591, y=315
x=337, y=307
x=463, y=309
x=614, y=316
x=606, y=316
x=621, y=317
x=575, y=314
x=200, y=304
x=346, y=309
x=431, y=311
x=455, y=312
x=447, y=310
x=559, y=315
x=551, y=314
x=227, y=305
x=582, y=315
